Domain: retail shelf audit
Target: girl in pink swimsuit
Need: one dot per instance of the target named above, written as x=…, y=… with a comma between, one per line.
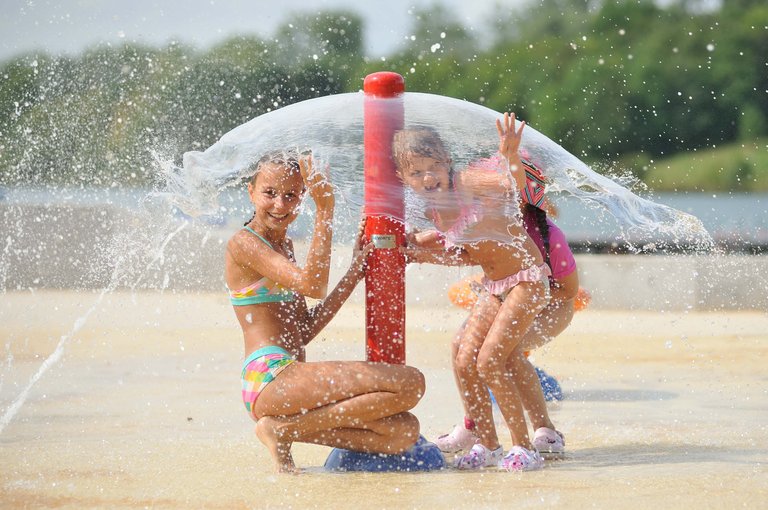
x=553, y=320
x=461, y=205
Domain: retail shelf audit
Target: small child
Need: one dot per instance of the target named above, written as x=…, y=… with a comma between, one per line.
x=564, y=286
x=515, y=277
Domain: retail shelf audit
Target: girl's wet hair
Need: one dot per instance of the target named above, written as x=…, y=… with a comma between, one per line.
x=285, y=158
x=288, y=159
x=422, y=141
x=540, y=217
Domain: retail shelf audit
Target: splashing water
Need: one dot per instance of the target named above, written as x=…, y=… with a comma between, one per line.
x=49, y=362
x=332, y=127
x=131, y=254
x=135, y=250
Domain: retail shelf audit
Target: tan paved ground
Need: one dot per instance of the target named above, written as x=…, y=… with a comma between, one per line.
x=664, y=410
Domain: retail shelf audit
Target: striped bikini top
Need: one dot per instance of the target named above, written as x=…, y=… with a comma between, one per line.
x=263, y=291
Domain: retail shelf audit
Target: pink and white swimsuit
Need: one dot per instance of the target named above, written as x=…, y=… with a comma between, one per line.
x=501, y=288
x=470, y=216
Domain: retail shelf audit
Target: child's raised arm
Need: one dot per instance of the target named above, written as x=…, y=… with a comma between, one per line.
x=480, y=180
x=318, y=264
x=509, y=147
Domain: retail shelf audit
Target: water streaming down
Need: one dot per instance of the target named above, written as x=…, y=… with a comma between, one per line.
x=129, y=257
x=331, y=127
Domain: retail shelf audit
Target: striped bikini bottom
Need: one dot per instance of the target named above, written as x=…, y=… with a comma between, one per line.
x=260, y=369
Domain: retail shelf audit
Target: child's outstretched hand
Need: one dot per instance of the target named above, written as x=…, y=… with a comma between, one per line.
x=509, y=144
x=317, y=183
x=509, y=137
x=420, y=244
x=360, y=253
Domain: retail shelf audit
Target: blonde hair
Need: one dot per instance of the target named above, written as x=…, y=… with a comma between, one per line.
x=421, y=141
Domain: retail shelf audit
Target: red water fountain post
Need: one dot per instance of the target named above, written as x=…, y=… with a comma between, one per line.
x=385, y=274
x=385, y=227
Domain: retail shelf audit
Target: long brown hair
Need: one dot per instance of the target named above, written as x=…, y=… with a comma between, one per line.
x=540, y=217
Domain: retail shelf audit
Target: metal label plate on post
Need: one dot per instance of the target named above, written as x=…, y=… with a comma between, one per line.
x=384, y=241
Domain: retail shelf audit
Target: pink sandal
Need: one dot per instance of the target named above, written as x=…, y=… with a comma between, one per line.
x=479, y=457
x=522, y=459
x=459, y=440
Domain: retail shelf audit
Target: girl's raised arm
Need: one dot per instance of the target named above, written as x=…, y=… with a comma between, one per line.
x=509, y=147
x=479, y=180
x=317, y=269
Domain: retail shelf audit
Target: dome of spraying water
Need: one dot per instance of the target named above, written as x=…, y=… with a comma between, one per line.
x=332, y=128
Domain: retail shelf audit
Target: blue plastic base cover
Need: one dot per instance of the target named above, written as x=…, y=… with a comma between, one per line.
x=423, y=456
x=549, y=385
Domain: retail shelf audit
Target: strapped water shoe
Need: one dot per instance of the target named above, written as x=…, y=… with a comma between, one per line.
x=549, y=442
x=479, y=457
x=522, y=459
x=459, y=440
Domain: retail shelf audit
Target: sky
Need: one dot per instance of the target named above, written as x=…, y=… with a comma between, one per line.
x=68, y=26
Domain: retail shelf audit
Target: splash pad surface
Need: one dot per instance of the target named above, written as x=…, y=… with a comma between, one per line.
x=143, y=410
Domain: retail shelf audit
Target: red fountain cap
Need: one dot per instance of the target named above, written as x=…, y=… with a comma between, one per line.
x=384, y=84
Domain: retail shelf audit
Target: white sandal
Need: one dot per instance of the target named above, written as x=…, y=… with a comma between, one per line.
x=459, y=440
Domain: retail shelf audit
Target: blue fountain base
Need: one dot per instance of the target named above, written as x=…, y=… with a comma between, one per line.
x=549, y=385
x=423, y=456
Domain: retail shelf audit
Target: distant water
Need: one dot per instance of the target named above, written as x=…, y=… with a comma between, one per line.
x=731, y=218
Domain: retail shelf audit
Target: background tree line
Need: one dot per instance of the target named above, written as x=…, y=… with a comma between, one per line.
x=624, y=83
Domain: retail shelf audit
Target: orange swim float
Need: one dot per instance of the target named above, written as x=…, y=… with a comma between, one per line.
x=583, y=297
x=462, y=295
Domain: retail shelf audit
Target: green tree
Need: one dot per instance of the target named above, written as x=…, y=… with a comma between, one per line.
x=628, y=80
x=439, y=57
x=324, y=51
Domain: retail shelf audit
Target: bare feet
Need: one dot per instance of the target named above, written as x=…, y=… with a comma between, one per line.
x=268, y=432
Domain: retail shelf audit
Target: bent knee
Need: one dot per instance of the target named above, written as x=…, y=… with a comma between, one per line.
x=413, y=383
x=407, y=433
x=491, y=368
x=464, y=363
x=516, y=363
